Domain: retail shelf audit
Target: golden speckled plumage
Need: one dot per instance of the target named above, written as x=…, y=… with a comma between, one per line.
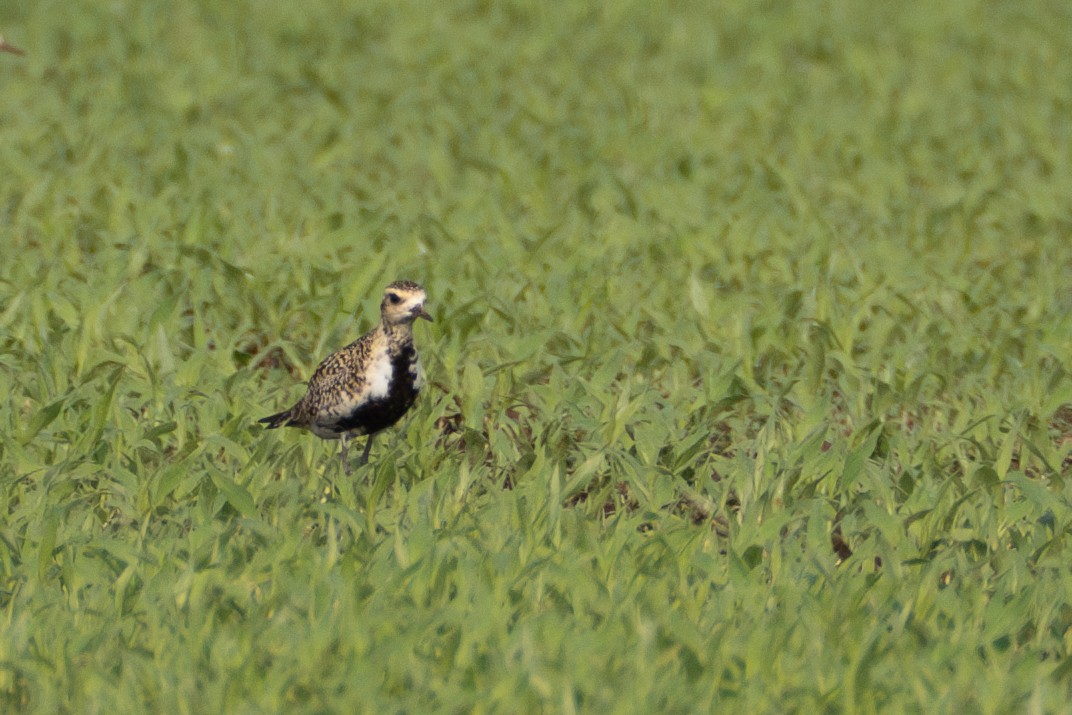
x=368, y=385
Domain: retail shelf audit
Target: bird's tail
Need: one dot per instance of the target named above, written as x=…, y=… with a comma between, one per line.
x=277, y=420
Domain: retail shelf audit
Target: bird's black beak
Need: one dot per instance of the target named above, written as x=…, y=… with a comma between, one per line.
x=420, y=312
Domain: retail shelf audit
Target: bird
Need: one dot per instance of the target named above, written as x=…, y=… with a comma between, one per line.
x=367, y=386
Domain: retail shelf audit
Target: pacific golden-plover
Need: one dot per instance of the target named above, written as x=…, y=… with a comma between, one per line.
x=367, y=386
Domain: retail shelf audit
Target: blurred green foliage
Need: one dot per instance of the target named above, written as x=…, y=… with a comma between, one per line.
x=749, y=382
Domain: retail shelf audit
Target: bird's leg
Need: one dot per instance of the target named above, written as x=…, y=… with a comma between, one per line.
x=368, y=448
x=345, y=463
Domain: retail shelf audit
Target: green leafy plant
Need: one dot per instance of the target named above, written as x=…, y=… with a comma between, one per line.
x=748, y=389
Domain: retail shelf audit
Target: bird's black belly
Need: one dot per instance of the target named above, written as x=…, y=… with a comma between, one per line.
x=380, y=413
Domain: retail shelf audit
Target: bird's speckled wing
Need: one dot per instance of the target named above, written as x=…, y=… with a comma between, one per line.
x=339, y=384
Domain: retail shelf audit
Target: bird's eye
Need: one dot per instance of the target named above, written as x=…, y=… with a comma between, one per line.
x=394, y=298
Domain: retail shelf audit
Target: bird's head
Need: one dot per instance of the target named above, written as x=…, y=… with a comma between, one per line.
x=403, y=302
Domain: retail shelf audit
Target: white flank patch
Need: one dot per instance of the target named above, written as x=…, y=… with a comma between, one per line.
x=379, y=376
x=417, y=373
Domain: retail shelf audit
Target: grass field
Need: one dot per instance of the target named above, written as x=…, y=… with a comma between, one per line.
x=750, y=375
